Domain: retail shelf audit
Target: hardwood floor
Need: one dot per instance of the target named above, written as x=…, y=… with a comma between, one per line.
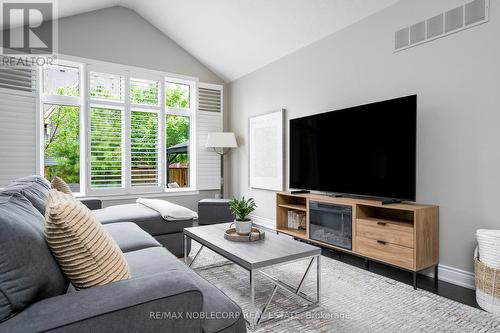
x=445, y=289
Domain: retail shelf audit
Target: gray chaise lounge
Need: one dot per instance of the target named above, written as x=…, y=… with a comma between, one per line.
x=169, y=234
x=35, y=295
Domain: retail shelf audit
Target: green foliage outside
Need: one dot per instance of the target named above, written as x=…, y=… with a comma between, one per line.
x=62, y=137
x=106, y=151
x=177, y=132
x=142, y=95
x=177, y=95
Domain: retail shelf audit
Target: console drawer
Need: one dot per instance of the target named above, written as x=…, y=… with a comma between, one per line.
x=398, y=233
x=390, y=253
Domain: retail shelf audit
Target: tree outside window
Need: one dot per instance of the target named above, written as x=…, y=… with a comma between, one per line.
x=62, y=143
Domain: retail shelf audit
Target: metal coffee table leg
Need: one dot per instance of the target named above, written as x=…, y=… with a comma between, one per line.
x=253, y=310
x=293, y=290
x=267, y=304
x=185, y=252
x=185, y=249
x=318, y=277
x=220, y=264
x=195, y=256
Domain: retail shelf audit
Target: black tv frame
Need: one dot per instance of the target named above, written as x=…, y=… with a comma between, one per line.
x=384, y=200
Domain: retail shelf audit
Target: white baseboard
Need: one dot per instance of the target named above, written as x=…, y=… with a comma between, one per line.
x=263, y=221
x=449, y=274
x=455, y=276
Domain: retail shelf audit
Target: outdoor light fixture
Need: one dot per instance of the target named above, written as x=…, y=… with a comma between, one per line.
x=218, y=141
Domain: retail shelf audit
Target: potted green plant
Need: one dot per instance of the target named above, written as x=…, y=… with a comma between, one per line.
x=241, y=209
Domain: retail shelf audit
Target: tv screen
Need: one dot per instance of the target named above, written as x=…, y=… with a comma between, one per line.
x=367, y=150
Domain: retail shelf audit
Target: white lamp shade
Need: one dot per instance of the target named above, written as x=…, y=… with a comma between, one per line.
x=221, y=140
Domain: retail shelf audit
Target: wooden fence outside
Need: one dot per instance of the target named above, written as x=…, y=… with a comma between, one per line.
x=179, y=175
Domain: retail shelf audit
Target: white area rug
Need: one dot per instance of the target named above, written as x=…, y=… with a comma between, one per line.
x=352, y=300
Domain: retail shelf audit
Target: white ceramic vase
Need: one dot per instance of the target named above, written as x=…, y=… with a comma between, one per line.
x=243, y=228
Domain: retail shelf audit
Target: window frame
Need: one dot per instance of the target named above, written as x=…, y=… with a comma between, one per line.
x=86, y=102
x=111, y=190
x=156, y=188
x=77, y=101
x=183, y=112
x=111, y=104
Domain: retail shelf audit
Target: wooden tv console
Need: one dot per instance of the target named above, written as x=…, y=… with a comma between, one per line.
x=401, y=235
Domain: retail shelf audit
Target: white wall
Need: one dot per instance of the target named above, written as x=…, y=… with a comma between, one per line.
x=457, y=79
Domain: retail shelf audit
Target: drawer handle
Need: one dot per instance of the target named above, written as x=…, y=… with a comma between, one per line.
x=381, y=223
x=381, y=242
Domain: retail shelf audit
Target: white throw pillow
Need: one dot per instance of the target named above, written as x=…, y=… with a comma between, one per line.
x=169, y=211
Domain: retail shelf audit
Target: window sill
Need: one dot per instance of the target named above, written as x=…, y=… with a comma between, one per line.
x=166, y=193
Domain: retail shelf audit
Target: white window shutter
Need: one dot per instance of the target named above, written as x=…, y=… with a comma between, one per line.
x=17, y=122
x=144, y=149
x=106, y=148
x=18, y=77
x=210, y=117
x=210, y=100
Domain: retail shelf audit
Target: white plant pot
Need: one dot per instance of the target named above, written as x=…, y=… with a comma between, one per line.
x=243, y=228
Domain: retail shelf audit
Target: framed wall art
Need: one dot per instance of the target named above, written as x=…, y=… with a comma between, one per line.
x=267, y=151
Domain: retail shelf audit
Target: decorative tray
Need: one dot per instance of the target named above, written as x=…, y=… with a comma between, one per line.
x=255, y=235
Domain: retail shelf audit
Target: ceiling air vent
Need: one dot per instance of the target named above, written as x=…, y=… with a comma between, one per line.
x=475, y=12
x=402, y=38
x=435, y=26
x=417, y=32
x=455, y=20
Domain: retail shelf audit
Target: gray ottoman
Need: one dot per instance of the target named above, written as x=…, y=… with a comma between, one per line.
x=212, y=211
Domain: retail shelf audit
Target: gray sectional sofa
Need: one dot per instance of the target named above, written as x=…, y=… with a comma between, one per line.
x=169, y=234
x=163, y=295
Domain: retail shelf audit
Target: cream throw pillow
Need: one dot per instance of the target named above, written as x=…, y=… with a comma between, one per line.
x=60, y=185
x=83, y=248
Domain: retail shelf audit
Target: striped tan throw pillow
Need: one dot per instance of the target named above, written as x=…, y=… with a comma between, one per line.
x=60, y=185
x=83, y=248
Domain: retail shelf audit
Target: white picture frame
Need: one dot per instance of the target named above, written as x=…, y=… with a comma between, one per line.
x=266, y=153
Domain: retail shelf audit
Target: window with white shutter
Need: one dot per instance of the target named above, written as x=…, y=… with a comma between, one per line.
x=144, y=148
x=210, y=115
x=108, y=119
x=17, y=122
x=129, y=132
x=145, y=122
x=106, y=148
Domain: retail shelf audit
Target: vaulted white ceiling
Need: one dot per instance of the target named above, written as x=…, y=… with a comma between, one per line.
x=236, y=37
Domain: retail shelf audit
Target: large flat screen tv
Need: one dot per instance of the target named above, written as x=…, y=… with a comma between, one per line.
x=367, y=150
